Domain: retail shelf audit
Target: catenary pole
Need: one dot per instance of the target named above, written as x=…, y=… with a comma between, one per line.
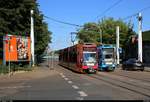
x=140, y=38
x=32, y=38
x=117, y=44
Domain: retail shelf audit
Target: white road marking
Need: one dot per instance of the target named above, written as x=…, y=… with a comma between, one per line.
x=80, y=98
x=83, y=94
x=61, y=73
x=131, y=80
x=14, y=87
x=75, y=87
x=66, y=78
x=70, y=82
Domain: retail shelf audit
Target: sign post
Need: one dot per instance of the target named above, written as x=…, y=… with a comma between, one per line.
x=7, y=38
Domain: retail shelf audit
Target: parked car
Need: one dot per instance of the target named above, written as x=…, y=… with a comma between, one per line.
x=132, y=64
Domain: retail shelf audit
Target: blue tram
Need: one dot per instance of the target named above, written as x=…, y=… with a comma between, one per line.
x=106, y=57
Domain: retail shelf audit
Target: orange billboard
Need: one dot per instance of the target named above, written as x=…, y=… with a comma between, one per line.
x=17, y=48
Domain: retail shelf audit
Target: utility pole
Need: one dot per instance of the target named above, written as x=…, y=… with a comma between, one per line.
x=140, y=38
x=32, y=38
x=117, y=44
x=52, y=58
x=47, y=53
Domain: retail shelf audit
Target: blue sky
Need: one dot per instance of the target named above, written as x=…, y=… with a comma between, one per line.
x=83, y=11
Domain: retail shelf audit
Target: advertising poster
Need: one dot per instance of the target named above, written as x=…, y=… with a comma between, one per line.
x=17, y=48
x=22, y=48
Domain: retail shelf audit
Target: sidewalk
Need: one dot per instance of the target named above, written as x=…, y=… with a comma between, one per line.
x=38, y=72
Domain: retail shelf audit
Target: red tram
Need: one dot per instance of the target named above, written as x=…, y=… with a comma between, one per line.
x=80, y=57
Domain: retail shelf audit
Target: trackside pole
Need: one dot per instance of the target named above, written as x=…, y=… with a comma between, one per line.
x=52, y=60
x=32, y=38
x=140, y=38
x=117, y=44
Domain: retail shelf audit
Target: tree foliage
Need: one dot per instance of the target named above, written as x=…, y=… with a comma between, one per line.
x=89, y=33
x=15, y=19
x=107, y=27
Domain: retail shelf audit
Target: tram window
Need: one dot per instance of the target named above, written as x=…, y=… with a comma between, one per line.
x=70, y=55
x=66, y=55
x=63, y=57
x=108, y=56
x=1, y=55
x=1, y=52
x=74, y=58
x=60, y=57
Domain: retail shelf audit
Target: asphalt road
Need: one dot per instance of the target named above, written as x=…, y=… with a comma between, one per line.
x=63, y=84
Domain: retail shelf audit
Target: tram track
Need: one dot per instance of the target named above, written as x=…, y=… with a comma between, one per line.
x=122, y=84
x=130, y=82
x=132, y=87
x=117, y=74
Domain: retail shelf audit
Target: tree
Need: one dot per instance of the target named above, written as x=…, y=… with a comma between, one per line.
x=15, y=19
x=91, y=31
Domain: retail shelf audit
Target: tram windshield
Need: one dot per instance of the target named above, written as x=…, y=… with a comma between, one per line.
x=89, y=56
x=108, y=54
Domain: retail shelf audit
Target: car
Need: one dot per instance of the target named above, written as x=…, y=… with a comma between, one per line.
x=132, y=64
